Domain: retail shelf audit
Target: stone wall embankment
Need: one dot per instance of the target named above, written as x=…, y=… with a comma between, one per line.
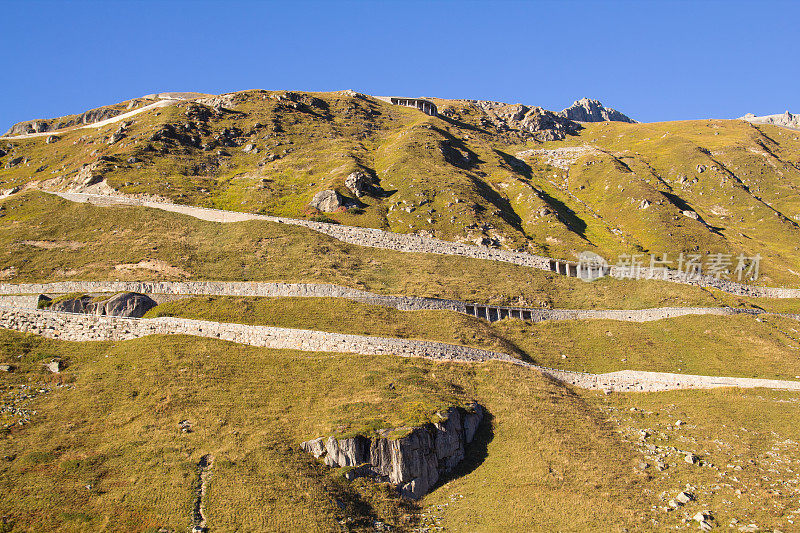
x=75, y=327
x=23, y=296
x=79, y=327
x=228, y=288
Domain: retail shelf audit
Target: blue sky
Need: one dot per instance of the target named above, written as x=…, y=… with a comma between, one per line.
x=655, y=61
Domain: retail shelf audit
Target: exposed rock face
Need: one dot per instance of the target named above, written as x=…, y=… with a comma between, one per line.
x=787, y=120
x=129, y=304
x=359, y=183
x=88, y=176
x=586, y=110
x=327, y=201
x=535, y=122
x=88, y=117
x=414, y=462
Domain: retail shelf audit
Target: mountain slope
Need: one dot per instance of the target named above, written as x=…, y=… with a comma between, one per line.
x=503, y=175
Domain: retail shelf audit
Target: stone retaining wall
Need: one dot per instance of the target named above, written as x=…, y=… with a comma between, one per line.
x=231, y=288
x=9, y=297
x=403, y=242
x=79, y=327
x=75, y=327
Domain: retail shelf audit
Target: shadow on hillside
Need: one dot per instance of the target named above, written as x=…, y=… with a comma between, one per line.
x=575, y=223
x=681, y=204
x=464, y=125
x=475, y=452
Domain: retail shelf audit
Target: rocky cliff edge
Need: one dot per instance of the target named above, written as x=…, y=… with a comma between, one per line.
x=413, y=462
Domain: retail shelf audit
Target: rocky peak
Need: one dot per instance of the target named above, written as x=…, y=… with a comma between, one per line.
x=586, y=110
x=787, y=120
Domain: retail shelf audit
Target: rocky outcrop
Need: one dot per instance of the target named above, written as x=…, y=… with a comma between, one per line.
x=786, y=120
x=527, y=121
x=413, y=462
x=586, y=110
x=359, y=183
x=51, y=124
x=328, y=201
x=126, y=304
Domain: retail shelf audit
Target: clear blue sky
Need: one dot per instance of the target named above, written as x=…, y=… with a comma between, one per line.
x=665, y=60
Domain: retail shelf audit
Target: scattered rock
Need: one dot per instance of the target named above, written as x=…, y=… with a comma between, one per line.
x=701, y=168
x=684, y=497
x=6, y=368
x=327, y=201
x=52, y=138
x=53, y=366
x=359, y=183
x=16, y=161
x=691, y=214
x=691, y=458
x=364, y=470
x=644, y=204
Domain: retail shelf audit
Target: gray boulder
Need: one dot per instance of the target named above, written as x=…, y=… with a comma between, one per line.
x=130, y=304
x=126, y=304
x=327, y=201
x=73, y=305
x=359, y=183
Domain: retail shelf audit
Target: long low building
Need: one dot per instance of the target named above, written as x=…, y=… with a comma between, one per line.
x=426, y=106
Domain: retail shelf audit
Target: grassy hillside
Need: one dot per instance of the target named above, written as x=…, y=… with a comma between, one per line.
x=105, y=449
x=113, y=442
x=465, y=175
x=45, y=238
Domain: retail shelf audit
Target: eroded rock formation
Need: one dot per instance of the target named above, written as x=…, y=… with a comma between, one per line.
x=528, y=121
x=413, y=462
x=51, y=124
x=786, y=120
x=586, y=110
